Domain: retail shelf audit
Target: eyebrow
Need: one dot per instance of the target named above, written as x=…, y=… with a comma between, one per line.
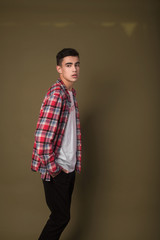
x=71, y=63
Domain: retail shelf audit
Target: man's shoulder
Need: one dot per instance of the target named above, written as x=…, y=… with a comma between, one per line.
x=55, y=89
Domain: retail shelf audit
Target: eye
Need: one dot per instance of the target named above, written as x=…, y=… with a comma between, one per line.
x=77, y=64
x=68, y=65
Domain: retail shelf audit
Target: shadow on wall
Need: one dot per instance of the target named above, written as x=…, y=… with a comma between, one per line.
x=96, y=165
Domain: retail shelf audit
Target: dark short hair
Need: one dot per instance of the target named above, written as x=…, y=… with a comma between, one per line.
x=65, y=53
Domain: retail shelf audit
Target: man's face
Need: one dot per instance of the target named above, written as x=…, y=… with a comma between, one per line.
x=69, y=69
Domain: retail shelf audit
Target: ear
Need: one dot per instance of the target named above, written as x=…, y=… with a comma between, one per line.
x=59, y=70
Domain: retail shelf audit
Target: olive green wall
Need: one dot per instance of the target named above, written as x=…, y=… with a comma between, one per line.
x=117, y=195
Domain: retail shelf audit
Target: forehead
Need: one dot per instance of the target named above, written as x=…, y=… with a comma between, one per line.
x=70, y=59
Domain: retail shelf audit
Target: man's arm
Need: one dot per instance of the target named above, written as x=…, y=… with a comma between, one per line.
x=46, y=131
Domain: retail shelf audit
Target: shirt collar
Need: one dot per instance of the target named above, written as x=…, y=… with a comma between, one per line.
x=64, y=87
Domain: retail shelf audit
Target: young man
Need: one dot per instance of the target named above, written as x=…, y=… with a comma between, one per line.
x=57, y=146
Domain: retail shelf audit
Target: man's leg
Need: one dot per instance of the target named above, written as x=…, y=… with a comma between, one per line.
x=58, y=193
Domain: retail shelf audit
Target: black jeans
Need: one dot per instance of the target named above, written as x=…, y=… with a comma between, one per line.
x=58, y=193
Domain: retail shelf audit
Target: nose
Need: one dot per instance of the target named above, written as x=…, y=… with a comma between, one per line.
x=74, y=68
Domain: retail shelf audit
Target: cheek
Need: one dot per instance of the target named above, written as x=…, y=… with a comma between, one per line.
x=67, y=72
x=64, y=72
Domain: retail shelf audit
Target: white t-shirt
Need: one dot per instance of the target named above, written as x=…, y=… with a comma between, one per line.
x=67, y=155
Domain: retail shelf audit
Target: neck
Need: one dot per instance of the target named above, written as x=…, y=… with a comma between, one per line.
x=68, y=85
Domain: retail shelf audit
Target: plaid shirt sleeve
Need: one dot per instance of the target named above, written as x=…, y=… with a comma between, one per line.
x=45, y=134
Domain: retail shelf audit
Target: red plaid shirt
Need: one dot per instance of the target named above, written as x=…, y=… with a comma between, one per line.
x=50, y=130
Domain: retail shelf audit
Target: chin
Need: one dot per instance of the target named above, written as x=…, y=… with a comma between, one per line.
x=74, y=80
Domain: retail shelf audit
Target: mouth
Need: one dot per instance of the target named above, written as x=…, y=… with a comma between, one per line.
x=74, y=75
